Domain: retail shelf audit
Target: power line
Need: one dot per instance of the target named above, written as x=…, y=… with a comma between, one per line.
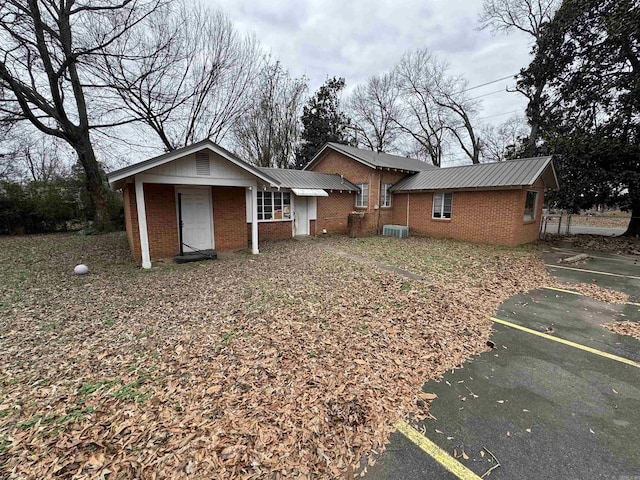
x=502, y=90
x=500, y=114
x=485, y=84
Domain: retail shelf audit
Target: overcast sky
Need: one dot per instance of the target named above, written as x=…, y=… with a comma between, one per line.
x=355, y=39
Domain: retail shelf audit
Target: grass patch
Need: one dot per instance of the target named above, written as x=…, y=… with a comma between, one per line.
x=229, y=335
x=131, y=392
x=73, y=415
x=147, y=332
x=4, y=444
x=91, y=388
x=29, y=423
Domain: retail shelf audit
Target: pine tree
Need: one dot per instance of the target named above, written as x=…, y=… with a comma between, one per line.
x=323, y=121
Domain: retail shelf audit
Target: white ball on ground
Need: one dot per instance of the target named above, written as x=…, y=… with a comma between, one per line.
x=81, y=269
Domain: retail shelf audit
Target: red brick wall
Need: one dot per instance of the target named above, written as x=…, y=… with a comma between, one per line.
x=162, y=221
x=229, y=218
x=162, y=224
x=494, y=216
x=399, y=207
x=356, y=172
x=272, y=231
x=530, y=231
x=332, y=212
x=385, y=215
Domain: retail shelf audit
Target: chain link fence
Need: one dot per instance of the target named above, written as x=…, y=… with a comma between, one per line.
x=568, y=224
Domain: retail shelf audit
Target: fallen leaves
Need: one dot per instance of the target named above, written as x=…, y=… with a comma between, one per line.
x=600, y=293
x=624, y=328
x=295, y=363
x=601, y=243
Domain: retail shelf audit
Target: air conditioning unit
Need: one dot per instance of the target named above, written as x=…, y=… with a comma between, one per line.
x=399, y=231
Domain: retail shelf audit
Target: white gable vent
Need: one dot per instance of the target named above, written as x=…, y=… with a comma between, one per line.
x=202, y=164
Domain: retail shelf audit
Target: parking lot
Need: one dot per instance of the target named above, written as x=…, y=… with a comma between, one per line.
x=557, y=397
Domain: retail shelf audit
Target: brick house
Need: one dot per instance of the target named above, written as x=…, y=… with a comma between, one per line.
x=202, y=197
x=499, y=203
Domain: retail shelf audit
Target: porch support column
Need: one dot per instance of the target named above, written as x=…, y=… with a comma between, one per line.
x=254, y=220
x=142, y=224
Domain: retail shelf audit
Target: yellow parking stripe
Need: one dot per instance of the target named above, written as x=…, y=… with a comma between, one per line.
x=564, y=291
x=438, y=454
x=592, y=271
x=567, y=342
x=582, y=294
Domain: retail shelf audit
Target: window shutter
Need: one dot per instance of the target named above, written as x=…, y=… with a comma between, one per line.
x=202, y=164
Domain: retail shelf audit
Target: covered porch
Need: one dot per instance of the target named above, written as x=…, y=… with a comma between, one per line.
x=199, y=198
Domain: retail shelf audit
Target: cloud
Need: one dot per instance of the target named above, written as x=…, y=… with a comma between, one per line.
x=360, y=38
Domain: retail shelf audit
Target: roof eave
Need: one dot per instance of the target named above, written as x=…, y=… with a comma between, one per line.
x=117, y=176
x=556, y=183
x=339, y=150
x=458, y=189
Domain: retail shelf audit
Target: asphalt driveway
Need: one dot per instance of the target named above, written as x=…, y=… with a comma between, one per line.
x=558, y=396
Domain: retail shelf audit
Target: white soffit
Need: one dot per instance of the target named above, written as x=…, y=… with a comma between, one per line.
x=309, y=192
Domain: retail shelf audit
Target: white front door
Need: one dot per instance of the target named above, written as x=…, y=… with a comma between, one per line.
x=197, y=219
x=302, y=215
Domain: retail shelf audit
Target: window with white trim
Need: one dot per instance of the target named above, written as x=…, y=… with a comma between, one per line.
x=530, y=205
x=385, y=195
x=362, y=197
x=274, y=206
x=442, y=202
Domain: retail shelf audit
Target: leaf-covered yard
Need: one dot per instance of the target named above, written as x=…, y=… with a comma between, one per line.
x=295, y=363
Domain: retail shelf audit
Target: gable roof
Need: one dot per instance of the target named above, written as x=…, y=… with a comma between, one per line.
x=308, y=180
x=374, y=159
x=117, y=177
x=507, y=174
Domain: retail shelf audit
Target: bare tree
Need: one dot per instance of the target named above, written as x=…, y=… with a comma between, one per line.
x=526, y=16
x=372, y=108
x=8, y=167
x=45, y=47
x=191, y=75
x=268, y=134
x=451, y=96
x=434, y=109
x=501, y=141
x=27, y=154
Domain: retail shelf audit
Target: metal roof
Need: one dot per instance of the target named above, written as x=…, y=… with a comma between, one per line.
x=507, y=174
x=288, y=178
x=117, y=175
x=376, y=160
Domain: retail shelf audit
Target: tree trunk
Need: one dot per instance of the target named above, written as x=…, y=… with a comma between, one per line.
x=633, y=230
x=534, y=113
x=95, y=183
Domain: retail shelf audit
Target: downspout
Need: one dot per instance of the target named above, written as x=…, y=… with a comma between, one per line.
x=379, y=202
x=407, y=210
